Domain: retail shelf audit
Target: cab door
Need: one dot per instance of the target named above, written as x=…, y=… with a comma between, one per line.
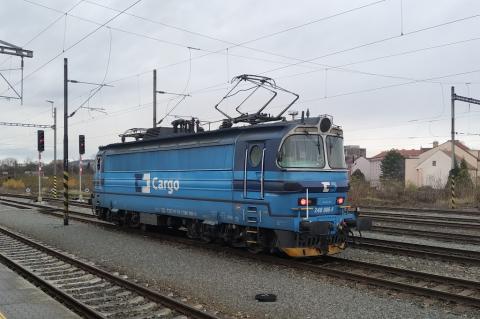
x=254, y=166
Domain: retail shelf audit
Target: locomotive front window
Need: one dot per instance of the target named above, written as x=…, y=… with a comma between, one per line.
x=302, y=151
x=335, y=154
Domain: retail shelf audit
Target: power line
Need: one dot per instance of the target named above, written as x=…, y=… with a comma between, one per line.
x=242, y=44
x=48, y=26
x=390, y=86
x=385, y=57
x=233, y=45
x=349, y=49
x=376, y=42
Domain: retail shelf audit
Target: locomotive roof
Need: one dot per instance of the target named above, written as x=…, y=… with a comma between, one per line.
x=268, y=128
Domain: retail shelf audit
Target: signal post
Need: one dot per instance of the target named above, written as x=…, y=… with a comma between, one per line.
x=40, y=148
x=81, y=150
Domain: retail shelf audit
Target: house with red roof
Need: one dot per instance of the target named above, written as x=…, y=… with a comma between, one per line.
x=371, y=167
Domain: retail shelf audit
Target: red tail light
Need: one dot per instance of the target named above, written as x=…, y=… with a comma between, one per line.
x=340, y=200
x=303, y=201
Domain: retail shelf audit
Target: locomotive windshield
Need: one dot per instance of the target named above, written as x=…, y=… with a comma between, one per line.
x=302, y=151
x=336, y=157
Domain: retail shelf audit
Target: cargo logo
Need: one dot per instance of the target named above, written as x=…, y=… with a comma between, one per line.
x=144, y=183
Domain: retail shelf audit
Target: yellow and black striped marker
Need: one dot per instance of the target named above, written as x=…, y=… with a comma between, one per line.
x=54, y=186
x=65, y=198
x=453, y=192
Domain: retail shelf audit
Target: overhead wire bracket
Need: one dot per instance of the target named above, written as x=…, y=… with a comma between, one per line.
x=11, y=49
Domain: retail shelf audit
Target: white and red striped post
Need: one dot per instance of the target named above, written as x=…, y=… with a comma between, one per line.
x=39, y=177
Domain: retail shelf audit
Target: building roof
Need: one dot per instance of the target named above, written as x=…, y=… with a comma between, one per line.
x=458, y=159
x=465, y=148
x=405, y=153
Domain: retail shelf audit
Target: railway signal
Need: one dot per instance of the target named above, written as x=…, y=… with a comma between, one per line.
x=81, y=144
x=40, y=148
x=81, y=150
x=40, y=140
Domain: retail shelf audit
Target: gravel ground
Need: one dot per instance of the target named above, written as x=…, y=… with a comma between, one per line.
x=221, y=282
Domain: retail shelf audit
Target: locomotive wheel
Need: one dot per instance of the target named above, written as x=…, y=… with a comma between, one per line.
x=134, y=220
x=255, y=249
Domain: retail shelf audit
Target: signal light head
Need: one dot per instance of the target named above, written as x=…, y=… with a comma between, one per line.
x=340, y=200
x=40, y=141
x=81, y=144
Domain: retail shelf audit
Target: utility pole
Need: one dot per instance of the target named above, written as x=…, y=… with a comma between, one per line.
x=454, y=98
x=65, y=130
x=453, y=127
x=465, y=99
x=154, y=98
x=65, y=141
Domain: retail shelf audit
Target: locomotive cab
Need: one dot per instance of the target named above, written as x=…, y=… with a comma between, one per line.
x=312, y=157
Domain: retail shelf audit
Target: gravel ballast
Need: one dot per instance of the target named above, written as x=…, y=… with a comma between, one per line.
x=219, y=281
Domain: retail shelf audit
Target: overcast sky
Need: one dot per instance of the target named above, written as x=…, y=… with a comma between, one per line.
x=382, y=69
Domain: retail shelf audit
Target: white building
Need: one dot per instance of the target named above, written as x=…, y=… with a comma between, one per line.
x=431, y=168
x=372, y=167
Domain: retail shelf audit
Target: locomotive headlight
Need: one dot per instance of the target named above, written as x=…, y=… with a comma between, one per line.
x=340, y=200
x=303, y=201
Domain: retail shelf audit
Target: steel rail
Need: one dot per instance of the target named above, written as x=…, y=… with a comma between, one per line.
x=77, y=306
x=48, y=199
x=465, y=212
x=399, y=278
x=410, y=249
x=154, y=296
x=44, y=208
x=462, y=219
x=429, y=222
x=464, y=238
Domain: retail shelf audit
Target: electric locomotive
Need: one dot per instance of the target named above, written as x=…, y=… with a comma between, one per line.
x=274, y=184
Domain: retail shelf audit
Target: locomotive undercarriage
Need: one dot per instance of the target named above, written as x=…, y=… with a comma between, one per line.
x=308, y=243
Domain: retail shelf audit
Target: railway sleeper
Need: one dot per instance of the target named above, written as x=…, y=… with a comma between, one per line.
x=104, y=293
x=121, y=297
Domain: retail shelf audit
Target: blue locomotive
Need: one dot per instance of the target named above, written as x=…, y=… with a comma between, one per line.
x=273, y=184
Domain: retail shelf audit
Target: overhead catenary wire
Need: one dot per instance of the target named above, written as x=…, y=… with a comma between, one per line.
x=80, y=40
x=51, y=24
x=367, y=44
x=258, y=38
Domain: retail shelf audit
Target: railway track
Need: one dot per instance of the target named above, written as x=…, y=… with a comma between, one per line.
x=439, y=287
x=90, y=291
x=423, y=220
x=449, y=212
x=450, y=237
x=404, y=248
x=456, y=218
x=47, y=199
x=43, y=208
x=413, y=282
